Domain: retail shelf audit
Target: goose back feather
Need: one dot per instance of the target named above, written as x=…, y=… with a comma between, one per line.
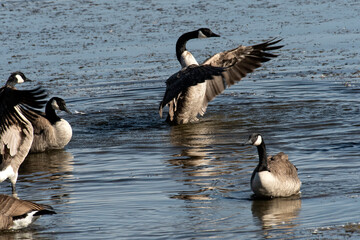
x=16, y=213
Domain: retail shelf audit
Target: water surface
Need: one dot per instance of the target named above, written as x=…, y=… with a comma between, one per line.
x=128, y=175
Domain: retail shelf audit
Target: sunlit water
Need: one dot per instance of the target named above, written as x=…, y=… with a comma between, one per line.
x=126, y=174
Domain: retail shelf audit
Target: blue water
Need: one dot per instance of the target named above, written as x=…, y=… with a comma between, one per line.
x=128, y=175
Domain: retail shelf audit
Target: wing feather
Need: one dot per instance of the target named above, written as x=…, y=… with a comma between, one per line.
x=185, y=78
x=27, y=100
x=281, y=165
x=10, y=140
x=238, y=62
x=11, y=206
x=14, y=130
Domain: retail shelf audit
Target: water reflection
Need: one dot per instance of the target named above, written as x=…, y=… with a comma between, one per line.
x=15, y=235
x=277, y=213
x=194, y=141
x=48, y=170
x=57, y=164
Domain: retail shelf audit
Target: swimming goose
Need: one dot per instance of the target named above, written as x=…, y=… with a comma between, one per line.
x=17, y=214
x=16, y=132
x=189, y=91
x=51, y=131
x=274, y=176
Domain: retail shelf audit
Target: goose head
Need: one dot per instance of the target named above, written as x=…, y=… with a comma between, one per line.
x=57, y=103
x=15, y=78
x=184, y=57
x=206, y=33
x=255, y=139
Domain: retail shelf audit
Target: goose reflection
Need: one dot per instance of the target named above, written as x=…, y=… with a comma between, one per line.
x=28, y=234
x=196, y=138
x=52, y=165
x=277, y=212
x=194, y=142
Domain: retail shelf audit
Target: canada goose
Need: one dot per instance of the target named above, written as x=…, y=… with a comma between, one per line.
x=189, y=91
x=16, y=132
x=51, y=131
x=17, y=214
x=274, y=176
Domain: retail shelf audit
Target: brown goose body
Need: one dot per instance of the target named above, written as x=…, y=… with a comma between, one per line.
x=16, y=132
x=17, y=214
x=51, y=131
x=189, y=91
x=274, y=176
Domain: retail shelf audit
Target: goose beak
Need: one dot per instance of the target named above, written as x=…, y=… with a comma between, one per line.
x=248, y=142
x=65, y=109
x=214, y=35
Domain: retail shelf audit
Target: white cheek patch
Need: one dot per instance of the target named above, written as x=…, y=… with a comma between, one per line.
x=55, y=105
x=201, y=35
x=19, y=79
x=258, y=141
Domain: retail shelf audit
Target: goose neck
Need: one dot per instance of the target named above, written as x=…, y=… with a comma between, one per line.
x=181, y=43
x=263, y=161
x=51, y=113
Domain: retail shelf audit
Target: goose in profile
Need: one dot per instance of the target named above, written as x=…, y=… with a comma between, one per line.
x=189, y=91
x=16, y=131
x=51, y=131
x=274, y=176
x=17, y=214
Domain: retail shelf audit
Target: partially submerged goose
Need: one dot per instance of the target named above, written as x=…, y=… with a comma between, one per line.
x=189, y=91
x=274, y=176
x=16, y=132
x=51, y=131
x=17, y=214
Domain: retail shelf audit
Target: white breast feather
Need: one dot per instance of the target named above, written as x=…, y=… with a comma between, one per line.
x=266, y=184
x=263, y=183
x=63, y=132
x=187, y=59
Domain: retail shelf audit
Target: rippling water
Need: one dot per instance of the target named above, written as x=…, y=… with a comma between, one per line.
x=128, y=175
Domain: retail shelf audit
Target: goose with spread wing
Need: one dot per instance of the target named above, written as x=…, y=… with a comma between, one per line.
x=16, y=131
x=189, y=91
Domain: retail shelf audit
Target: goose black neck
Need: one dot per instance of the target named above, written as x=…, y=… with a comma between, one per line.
x=10, y=84
x=263, y=164
x=51, y=114
x=181, y=43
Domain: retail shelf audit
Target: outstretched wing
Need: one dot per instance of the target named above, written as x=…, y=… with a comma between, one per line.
x=26, y=100
x=238, y=62
x=14, y=105
x=187, y=77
